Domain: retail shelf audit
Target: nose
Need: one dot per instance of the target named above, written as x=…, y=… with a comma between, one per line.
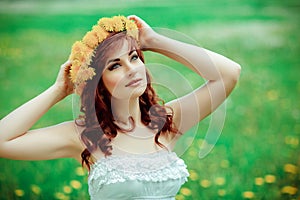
x=131, y=70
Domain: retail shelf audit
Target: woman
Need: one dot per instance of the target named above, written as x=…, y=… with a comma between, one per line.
x=126, y=138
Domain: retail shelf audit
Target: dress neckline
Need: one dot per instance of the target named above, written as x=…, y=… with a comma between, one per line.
x=134, y=156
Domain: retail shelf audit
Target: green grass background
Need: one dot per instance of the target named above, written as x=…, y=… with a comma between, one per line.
x=257, y=155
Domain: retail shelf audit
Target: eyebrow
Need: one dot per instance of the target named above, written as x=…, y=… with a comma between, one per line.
x=118, y=59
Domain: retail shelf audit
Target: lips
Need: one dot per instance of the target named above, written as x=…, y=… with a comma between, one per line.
x=133, y=82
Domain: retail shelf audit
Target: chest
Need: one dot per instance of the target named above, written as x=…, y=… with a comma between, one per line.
x=138, y=142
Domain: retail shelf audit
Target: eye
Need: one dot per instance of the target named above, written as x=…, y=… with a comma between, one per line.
x=134, y=57
x=114, y=66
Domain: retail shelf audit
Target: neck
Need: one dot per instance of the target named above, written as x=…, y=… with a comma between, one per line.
x=123, y=109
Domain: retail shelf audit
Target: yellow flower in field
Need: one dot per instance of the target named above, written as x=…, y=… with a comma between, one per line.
x=272, y=95
x=179, y=197
x=185, y=191
x=35, y=189
x=192, y=153
x=224, y=164
x=248, y=195
x=193, y=175
x=80, y=171
x=19, y=192
x=220, y=181
x=61, y=196
x=290, y=168
x=289, y=190
x=293, y=141
x=270, y=178
x=67, y=189
x=221, y=192
x=75, y=184
x=205, y=183
x=259, y=181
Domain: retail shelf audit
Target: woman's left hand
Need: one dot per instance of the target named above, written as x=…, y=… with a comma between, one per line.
x=63, y=82
x=146, y=33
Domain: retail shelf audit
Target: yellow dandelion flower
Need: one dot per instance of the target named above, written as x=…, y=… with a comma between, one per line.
x=74, y=70
x=224, y=164
x=106, y=23
x=80, y=52
x=132, y=29
x=272, y=95
x=248, y=195
x=192, y=153
x=61, y=196
x=290, y=168
x=295, y=142
x=259, y=181
x=205, y=183
x=185, y=191
x=118, y=24
x=77, y=46
x=90, y=39
x=221, y=192
x=80, y=171
x=19, y=192
x=75, y=184
x=220, y=181
x=130, y=25
x=289, y=190
x=85, y=74
x=270, y=178
x=35, y=189
x=100, y=32
x=179, y=197
x=67, y=189
x=193, y=175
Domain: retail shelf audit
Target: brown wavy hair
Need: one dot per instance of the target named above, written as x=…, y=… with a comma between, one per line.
x=97, y=116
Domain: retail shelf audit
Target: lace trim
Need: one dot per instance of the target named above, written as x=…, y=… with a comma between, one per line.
x=155, y=167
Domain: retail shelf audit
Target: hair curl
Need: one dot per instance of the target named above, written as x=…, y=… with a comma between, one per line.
x=98, y=119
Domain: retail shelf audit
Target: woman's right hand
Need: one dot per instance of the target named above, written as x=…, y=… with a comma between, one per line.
x=146, y=33
x=63, y=82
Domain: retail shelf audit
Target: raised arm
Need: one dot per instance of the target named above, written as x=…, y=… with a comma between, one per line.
x=220, y=72
x=18, y=142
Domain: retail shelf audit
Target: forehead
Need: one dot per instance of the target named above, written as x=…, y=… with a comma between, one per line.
x=120, y=49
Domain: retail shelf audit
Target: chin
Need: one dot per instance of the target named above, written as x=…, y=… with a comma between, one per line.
x=138, y=91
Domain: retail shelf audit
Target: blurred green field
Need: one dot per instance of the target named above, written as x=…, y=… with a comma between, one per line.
x=257, y=155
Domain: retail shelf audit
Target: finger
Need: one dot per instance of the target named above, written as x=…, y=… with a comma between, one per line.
x=138, y=21
x=68, y=68
x=67, y=63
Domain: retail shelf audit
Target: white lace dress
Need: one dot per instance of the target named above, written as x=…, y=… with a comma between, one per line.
x=149, y=176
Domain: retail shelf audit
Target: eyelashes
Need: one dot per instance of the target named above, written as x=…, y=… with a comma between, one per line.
x=134, y=57
x=114, y=66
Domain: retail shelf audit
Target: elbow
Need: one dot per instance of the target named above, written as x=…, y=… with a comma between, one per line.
x=2, y=152
x=231, y=78
x=235, y=74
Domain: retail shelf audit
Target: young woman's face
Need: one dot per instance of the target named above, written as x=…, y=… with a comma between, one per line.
x=124, y=74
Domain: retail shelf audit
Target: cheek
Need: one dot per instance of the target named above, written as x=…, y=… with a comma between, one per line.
x=111, y=81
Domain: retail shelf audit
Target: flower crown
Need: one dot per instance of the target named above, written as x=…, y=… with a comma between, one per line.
x=83, y=51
